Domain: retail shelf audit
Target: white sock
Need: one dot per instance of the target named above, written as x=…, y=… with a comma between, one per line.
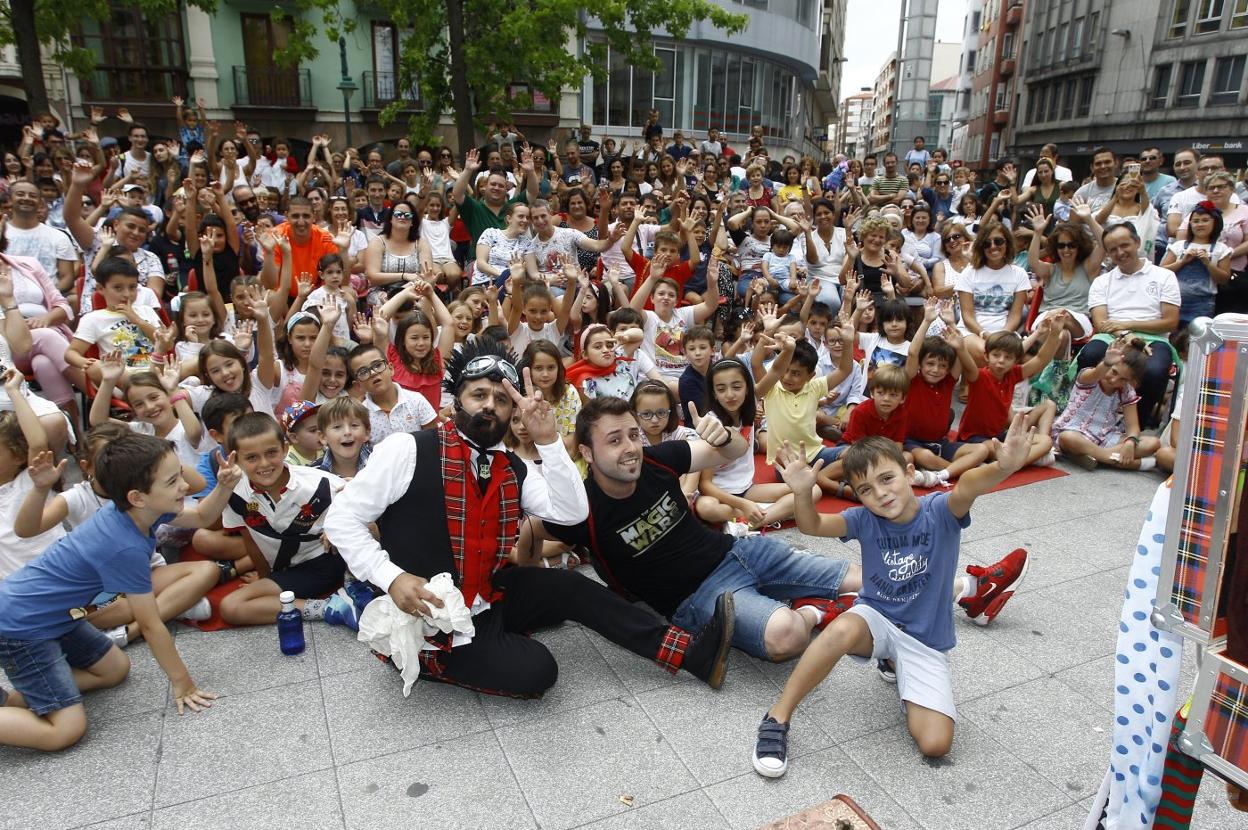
x=1148, y=463
x=969, y=585
x=813, y=610
x=943, y=475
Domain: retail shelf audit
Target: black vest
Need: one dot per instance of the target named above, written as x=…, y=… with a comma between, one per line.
x=413, y=529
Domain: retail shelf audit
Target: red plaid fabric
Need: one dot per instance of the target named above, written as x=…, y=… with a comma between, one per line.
x=672, y=649
x=1200, y=497
x=497, y=512
x=1226, y=724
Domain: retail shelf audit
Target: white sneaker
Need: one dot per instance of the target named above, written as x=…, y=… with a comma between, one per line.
x=1047, y=460
x=118, y=636
x=925, y=478
x=198, y=612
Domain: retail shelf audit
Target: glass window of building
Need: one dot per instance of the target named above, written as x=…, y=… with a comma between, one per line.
x=1228, y=77
x=1208, y=16
x=1085, y=96
x=1191, y=81
x=1178, y=19
x=1161, y=86
x=1239, y=15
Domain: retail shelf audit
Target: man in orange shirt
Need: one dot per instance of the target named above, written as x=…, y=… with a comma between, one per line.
x=308, y=244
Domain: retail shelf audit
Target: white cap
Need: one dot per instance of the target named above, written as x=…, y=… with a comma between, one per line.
x=286, y=597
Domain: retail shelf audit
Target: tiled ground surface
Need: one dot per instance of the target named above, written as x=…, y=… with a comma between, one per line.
x=326, y=739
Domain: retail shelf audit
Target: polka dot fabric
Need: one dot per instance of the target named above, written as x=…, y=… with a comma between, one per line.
x=1146, y=674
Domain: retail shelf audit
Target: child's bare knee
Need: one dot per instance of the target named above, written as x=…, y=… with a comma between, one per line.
x=786, y=636
x=934, y=745
x=231, y=608
x=68, y=727
x=112, y=668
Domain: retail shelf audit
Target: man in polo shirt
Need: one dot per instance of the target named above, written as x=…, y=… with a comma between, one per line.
x=308, y=244
x=1139, y=298
x=487, y=212
x=890, y=188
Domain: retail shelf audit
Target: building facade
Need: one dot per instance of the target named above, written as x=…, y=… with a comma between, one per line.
x=985, y=125
x=783, y=73
x=1168, y=73
x=959, y=139
x=883, y=106
x=853, y=132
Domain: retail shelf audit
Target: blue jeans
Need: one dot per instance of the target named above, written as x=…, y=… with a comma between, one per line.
x=42, y=670
x=762, y=574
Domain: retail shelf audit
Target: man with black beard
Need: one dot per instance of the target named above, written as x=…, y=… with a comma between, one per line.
x=460, y=510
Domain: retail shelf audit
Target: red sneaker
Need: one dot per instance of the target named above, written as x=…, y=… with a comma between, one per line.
x=997, y=583
x=831, y=608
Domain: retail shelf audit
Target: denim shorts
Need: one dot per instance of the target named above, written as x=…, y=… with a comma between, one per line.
x=763, y=574
x=828, y=454
x=944, y=448
x=42, y=670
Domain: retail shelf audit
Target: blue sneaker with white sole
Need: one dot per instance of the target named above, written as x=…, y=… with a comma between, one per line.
x=340, y=610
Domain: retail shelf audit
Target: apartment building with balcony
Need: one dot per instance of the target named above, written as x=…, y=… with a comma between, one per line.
x=854, y=127
x=986, y=88
x=1168, y=73
x=883, y=106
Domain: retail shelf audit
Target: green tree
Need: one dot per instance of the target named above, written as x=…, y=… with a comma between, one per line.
x=464, y=55
x=28, y=24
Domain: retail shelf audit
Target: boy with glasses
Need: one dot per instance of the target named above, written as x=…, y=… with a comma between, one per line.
x=391, y=408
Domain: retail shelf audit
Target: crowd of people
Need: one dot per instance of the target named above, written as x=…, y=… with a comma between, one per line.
x=640, y=355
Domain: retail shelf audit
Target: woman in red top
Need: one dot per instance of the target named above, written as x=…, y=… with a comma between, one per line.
x=758, y=194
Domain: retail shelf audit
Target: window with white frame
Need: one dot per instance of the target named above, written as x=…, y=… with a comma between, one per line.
x=1178, y=18
x=1208, y=16
x=1228, y=77
x=1191, y=83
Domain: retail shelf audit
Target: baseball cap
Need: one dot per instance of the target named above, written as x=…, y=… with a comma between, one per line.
x=133, y=186
x=295, y=414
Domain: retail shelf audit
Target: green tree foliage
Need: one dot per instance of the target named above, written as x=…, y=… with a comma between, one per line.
x=465, y=55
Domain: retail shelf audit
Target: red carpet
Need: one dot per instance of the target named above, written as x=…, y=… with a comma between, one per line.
x=764, y=474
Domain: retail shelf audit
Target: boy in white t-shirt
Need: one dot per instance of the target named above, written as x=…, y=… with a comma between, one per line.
x=280, y=511
x=665, y=327
x=391, y=407
x=121, y=326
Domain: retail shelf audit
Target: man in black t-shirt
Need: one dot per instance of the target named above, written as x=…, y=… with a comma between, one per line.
x=647, y=543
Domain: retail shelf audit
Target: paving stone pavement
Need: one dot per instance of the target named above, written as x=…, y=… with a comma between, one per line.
x=326, y=739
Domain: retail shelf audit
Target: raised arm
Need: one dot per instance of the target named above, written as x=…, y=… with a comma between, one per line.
x=802, y=479
x=1051, y=332
x=772, y=376
x=930, y=309
x=472, y=163
x=79, y=181
x=32, y=428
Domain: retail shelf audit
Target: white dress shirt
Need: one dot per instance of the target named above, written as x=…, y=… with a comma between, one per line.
x=556, y=496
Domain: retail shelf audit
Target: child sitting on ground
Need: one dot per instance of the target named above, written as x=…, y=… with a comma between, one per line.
x=909, y=561
x=391, y=408
x=51, y=657
x=791, y=392
x=934, y=366
x=280, y=510
x=991, y=390
x=121, y=326
x=303, y=435
x=179, y=588
x=700, y=350
x=344, y=427
x=883, y=414
x=227, y=549
x=1101, y=423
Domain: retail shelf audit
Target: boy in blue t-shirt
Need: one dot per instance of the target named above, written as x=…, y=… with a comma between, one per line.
x=52, y=655
x=909, y=561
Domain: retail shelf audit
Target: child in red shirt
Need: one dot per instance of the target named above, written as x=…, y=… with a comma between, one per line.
x=992, y=391
x=934, y=366
x=882, y=414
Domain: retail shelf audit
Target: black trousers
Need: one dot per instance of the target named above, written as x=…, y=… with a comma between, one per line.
x=503, y=660
x=1152, y=386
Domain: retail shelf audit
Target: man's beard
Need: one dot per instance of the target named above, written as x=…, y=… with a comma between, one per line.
x=478, y=429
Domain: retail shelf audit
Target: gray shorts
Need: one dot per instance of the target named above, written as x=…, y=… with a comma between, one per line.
x=923, y=674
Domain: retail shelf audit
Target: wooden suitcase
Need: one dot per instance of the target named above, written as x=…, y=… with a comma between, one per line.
x=1206, y=480
x=1217, y=725
x=841, y=813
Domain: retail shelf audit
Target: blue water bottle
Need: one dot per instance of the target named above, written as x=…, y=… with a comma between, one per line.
x=290, y=625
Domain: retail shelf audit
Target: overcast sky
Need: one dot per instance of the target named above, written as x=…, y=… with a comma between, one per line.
x=871, y=36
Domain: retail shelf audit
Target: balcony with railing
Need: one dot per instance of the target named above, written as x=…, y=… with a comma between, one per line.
x=381, y=89
x=1014, y=14
x=272, y=87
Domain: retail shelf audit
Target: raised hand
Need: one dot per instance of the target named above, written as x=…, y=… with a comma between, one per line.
x=380, y=326
x=244, y=331
x=169, y=376
x=303, y=284
x=362, y=328
x=165, y=338
x=1012, y=452
x=112, y=367
x=709, y=428
x=931, y=308
x=97, y=115
x=946, y=313
x=799, y=475
x=228, y=472
x=537, y=415
x=472, y=161
x=177, y=101
x=13, y=380
x=1035, y=215
x=44, y=471
x=124, y=115
x=330, y=312
x=82, y=174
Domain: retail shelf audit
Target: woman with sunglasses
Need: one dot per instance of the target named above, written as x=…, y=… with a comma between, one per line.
x=392, y=258
x=991, y=293
x=1065, y=263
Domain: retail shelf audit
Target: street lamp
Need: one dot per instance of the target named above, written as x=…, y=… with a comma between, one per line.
x=346, y=85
